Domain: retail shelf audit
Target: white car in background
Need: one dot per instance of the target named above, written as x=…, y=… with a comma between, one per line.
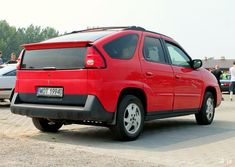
x=7, y=80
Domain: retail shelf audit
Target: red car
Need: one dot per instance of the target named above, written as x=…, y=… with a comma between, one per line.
x=117, y=77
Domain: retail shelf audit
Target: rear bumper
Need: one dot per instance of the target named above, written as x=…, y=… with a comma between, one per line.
x=224, y=88
x=91, y=111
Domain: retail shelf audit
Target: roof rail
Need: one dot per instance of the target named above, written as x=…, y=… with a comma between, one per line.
x=117, y=27
x=142, y=29
x=135, y=28
x=159, y=34
x=110, y=28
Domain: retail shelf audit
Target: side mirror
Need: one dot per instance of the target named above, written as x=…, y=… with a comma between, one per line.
x=197, y=63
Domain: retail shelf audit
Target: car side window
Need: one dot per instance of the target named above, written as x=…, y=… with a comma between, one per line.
x=11, y=73
x=122, y=47
x=177, y=56
x=152, y=50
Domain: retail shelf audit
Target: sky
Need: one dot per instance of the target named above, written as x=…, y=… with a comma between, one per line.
x=204, y=28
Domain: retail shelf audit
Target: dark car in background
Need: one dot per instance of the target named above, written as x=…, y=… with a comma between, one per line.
x=225, y=83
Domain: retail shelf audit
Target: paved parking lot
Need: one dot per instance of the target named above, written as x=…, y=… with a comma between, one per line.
x=169, y=142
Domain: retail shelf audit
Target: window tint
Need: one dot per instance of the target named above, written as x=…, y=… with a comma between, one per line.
x=11, y=73
x=177, y=56
x=123, y=47
x=152, y=50
x=63, y=58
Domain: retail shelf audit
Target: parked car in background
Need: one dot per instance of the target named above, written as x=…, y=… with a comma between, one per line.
x=225, y=82
x=7, y=80
x=117, y=77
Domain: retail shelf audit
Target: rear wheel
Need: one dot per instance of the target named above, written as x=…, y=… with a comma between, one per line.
x=46, y=125
x=130, y=119
x=207, y=112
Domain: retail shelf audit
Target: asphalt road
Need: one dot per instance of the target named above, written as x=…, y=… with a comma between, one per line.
x=168, y=142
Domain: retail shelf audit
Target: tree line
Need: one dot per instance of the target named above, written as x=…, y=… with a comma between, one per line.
x=11, y=38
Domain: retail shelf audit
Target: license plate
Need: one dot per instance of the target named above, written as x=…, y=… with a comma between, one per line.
x=50, y=92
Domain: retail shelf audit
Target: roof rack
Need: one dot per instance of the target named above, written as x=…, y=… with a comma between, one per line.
x=116, y=28
x=110, y=28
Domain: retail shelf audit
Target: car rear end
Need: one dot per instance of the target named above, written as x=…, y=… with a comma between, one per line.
x=52, y=79
x=7, y=80
x=225, y=85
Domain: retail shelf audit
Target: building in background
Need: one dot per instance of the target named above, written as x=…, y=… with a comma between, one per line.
x=224, y=64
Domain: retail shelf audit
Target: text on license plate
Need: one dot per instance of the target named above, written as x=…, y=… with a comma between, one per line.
x=50, y=92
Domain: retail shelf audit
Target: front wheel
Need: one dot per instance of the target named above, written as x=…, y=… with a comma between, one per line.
x=207, y=112
x=130, y=119
x=46, y=125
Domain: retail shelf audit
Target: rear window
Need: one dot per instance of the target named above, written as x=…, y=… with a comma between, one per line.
x=62, y=58
x=122, y=47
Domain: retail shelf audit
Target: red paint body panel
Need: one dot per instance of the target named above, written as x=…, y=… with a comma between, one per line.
x=211, y=82
x=73, y=81
x=159, y=85
x=188, y=88
x=119, y=74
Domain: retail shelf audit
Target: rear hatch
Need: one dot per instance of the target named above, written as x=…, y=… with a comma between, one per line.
x=53, y=73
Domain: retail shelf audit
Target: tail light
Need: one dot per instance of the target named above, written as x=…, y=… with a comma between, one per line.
x=94, y=59
x=19, y=60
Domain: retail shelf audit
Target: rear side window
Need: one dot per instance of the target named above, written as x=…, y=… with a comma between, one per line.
x=62, y=58
x=152, y=50
x=122, y=47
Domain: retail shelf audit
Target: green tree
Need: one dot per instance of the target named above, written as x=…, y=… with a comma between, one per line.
x=11, y=38
x=7, y=40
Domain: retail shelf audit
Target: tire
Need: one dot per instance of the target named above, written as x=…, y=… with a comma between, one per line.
x=207, y=112
x=130, y=119
x=45, y=125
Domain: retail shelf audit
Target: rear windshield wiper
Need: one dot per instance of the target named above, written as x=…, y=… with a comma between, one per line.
x=49, y=68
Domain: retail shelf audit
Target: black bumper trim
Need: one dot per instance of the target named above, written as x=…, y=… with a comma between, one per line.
x=92, y=111
x=67, y=99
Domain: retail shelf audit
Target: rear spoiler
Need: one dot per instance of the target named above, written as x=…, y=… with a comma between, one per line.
x=52, y=45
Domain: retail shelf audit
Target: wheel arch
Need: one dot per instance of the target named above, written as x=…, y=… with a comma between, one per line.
x=135, y=92
x=12, y=93
x=213, y=91
x=119, y=127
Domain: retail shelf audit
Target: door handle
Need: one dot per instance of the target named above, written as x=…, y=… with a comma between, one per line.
x=149, y=73
x=177, y=76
